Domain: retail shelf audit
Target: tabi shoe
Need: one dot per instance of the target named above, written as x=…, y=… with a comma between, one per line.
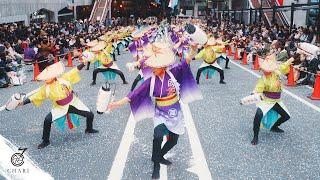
x=165, y=162
x=156, y=171
x=277, y=130
x=254, y=141
x=43, y=144
x=91, y=131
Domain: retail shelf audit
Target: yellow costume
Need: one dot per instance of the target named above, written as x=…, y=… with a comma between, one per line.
x=272, y=83
x=57, y=91
x=270, y=87
x=210, y=64
x=207, y=54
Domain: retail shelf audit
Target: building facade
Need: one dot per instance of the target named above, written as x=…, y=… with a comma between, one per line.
x=28, y=10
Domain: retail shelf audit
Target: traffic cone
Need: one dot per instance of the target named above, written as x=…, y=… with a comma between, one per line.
x=36, y=71
x=236, y=54
x=56, y=59
x=224, y=50
x=291, y=77
x=69, y=60
x=316, y=89
x=244, y=58
x=229, y=51
x=80, y=55
x=256, y=64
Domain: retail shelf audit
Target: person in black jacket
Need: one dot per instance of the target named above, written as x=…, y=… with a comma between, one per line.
x=311, y=66
x=4, y=80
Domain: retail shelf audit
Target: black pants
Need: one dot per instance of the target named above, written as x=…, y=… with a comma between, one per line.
x=48, y=121
x=225, y=58
x=259, y=115
x=212, y=67
x=118, y=50
x=135, y=82
x=96, y=71
x=88, y=65
x=127, y=43
x=159, y=132
x=114, y=56
x=307, y=79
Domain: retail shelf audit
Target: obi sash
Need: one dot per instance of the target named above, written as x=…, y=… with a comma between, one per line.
x=108, y=65
x=272, y=95
x=72, y=120
x=208, y=62
x=66, y=100
x=167, y=101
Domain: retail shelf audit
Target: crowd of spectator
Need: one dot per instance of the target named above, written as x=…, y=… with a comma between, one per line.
x=19, y=43
x=260, y=39
x=42, y=42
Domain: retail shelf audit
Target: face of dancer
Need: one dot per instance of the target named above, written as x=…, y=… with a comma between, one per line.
x=266, y=73
x=159, y=71
x=49, y=81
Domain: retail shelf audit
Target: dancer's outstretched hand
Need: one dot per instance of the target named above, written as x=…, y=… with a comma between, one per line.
x=118, y=104
x=114, y=105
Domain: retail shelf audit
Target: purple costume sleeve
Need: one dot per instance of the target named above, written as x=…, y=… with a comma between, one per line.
x=145, y=40
x=175, y=39
x=189, y=90
x=133, y=49
x=140, y=101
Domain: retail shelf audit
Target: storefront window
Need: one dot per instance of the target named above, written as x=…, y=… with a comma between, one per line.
x=312, y=14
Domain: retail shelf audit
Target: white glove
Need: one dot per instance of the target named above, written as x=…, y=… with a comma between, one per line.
x=132, y=66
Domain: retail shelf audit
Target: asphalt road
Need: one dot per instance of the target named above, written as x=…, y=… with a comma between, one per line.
x=223, y=126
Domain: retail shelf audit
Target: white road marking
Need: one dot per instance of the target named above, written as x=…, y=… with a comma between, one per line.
x=199, y=164
x=119, y=161
x=314, y=107
x=32, y=171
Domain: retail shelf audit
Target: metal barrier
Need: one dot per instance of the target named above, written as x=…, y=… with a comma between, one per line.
x=255, y=14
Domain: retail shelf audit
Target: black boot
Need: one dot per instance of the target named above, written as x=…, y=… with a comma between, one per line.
x=165, y=161
x=89, y=128
x=91, y=131
x=254, y=140
x=46, y=132
x=43, y=144
x=88, y=65
x=276, y=129
x=156, y=171
x=93, y=83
